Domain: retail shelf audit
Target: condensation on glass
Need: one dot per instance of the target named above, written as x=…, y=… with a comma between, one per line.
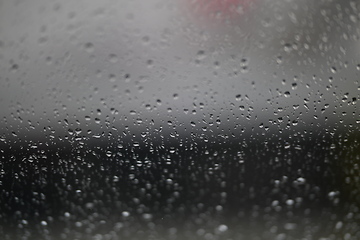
x=193, y=119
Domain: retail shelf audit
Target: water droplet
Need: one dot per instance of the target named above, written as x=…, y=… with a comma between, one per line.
x=112, y=78
x=333, y=70
x=125, y=214
x=89, y=47
x=223, y=228
x=147, y=216
x=244, y=65
x=113, y=58
x=300, y=180
x=339, y=225
x=201, y=55
x=290, y=226
x=287, y=47
x=146, y=40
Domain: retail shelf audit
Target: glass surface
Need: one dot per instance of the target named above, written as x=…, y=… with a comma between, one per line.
x=179, y=119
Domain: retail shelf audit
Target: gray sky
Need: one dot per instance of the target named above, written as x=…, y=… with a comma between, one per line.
x=152, y=63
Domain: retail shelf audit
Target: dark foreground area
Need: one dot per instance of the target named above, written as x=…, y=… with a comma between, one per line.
x=247, y=189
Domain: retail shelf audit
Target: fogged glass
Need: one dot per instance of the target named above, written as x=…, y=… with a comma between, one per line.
x=179, y=119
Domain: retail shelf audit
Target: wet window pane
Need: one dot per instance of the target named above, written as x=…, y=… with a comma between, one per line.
x=181, y=119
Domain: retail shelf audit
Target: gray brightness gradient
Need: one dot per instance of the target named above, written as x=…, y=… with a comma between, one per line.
x=179, y=119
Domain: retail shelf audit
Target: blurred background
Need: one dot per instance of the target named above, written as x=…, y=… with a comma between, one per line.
x=182, y=119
